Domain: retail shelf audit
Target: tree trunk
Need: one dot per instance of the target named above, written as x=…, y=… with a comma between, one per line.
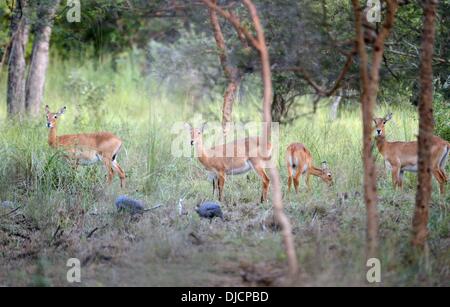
x=259, y=43
x=39, y=58
x=278, y=107
x=16, y=64
x=267, y=120
x=335, y=107
x=231, y=73
x=423, y=195
x=369, y=91
x=228, y=100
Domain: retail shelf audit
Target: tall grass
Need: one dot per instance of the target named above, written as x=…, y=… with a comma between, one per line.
x=55, y=194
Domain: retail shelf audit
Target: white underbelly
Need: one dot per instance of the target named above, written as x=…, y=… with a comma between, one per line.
x=240, y=170
x=295, y=169
x=212, y=176
x=410, y=168
x=444, y=156
x=406, y=168
x=93, y=160
x=387, y=165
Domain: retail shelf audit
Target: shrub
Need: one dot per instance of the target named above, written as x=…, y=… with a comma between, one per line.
x=442, y=118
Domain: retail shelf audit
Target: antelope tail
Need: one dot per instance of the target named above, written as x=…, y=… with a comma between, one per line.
x=293, y=162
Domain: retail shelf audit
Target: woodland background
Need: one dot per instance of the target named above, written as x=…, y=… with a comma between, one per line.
x=134, y=67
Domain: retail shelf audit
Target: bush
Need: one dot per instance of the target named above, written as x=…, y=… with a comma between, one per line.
x=88, y=97
x=442, y=118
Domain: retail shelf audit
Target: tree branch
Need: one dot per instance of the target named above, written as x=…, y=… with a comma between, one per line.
x=234, y=22
x=259, y=43
x=319, y=90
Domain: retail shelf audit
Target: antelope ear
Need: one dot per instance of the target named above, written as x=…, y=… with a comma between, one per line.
x=205, y=124
x=188, y=126
x=388, y=117
x=47, y=109
x=62, y=111
x=324, y=165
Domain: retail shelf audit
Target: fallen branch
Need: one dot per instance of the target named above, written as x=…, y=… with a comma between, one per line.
x=92, y=232
x=153, y=208
x=11, y=212
x=56, y=232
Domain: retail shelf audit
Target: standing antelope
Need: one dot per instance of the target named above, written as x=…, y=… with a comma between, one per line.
x=245, y=154
x=299, y=161
x=87, y=148
x=403, y=156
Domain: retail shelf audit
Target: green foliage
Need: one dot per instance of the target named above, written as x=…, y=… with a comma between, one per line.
x=139, y=96
x=442, y=117
x=110, y=27
x=5, y=13
x=88, y=98
x=62, y=205
x=188, y=65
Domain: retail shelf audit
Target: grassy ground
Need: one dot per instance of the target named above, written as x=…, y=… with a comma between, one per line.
x=66, y=213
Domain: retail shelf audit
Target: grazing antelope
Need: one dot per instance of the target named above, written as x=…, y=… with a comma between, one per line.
x=87, y=148
x=402, y=157
x=245, y=155
x=299, y=161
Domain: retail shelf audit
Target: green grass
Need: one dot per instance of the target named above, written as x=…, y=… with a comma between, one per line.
x=60, y=206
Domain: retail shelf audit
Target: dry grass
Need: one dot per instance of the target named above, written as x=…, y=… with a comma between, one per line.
x=66, y=213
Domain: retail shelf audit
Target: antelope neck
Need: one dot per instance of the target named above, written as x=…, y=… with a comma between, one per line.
x=316, y=171
x=201, y=151
x=380, y=141
x=52, y=140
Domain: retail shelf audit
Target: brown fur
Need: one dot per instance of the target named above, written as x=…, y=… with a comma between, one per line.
x=245, y=156
x=297, y=158
x=87, y=147
x=402, y=156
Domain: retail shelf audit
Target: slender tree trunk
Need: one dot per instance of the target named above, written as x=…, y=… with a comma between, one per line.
x=423, y=195
x=16, y=64
x=231, y=73
x=39, y=58
x=228, y=100
x=267, y=121
x=369, y=91
x=259, y=43
x=335, y=107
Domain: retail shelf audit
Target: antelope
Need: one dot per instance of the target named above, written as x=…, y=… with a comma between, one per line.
x=402, y=157
x=246, y=155
x=299, y=161
x=87, y=148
